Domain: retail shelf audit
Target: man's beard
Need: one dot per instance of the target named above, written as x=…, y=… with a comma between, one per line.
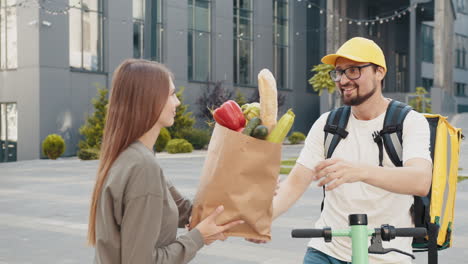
x=358, y=99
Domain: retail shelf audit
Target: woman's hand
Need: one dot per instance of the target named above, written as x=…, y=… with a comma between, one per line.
x=256, y=241
x=211, y=231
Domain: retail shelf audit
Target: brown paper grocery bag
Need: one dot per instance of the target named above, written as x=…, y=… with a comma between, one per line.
x=240, y=172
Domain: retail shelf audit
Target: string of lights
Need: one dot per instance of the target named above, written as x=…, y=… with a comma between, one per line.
x=383, y=18
x=59, y=7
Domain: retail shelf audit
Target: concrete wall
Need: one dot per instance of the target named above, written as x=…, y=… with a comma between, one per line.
x=21, y=85
x=53, y=98
x=460, y=26
x=65, y=94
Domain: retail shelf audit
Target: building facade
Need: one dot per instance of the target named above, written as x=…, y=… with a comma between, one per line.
x=55, y=54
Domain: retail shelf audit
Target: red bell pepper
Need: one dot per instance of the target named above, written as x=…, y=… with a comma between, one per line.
x=230, y=115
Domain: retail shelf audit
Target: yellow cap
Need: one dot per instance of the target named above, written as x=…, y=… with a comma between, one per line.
x=360, y=50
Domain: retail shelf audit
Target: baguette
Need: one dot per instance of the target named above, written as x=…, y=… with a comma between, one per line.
x=268, y=98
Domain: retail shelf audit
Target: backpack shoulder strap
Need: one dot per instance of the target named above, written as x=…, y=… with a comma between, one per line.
x=392, y=132
x=336, y=125
x=335, y=130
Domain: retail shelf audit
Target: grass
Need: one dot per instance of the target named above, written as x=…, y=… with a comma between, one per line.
x=462, y=178
x=288, y=162
x=285, y=170
x=286, y=165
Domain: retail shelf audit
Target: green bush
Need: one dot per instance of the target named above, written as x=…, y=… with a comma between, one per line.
x=183, y=119
x=163, y=138
x=296, y=138
x=199, y=138
x=93, y=128
x=53, y=146
x=179, y=146
x=88, y=154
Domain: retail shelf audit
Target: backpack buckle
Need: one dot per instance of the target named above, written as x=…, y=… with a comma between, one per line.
x=334, y=129
x=391, y=129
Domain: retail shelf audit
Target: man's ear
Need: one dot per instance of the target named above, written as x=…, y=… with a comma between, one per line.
x=380, y=73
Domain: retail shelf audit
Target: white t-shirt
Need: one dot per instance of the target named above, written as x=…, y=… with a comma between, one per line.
x=381, y=206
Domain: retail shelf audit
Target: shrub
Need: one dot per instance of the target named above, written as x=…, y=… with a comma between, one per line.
x=321, y=79
x=199, y=138
x=183, y=119
x=163, y=138
x=212, y=97
x=88, y=154
x=93, y=128
x=179, y=146
x=296, y=138
x=53, y=146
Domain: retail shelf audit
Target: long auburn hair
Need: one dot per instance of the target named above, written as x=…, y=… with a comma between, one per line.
x=139, y=92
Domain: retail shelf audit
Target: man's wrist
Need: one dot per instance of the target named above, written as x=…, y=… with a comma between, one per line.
x=368, y=172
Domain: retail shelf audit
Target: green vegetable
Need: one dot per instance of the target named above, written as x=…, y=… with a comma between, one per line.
x=251, y=125
x=251, y=110
x=260, y=132
x=278, y=134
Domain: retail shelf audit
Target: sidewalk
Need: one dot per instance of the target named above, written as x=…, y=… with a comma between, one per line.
x=44, y=212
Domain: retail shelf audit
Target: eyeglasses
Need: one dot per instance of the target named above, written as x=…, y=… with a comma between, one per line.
x=352, y=73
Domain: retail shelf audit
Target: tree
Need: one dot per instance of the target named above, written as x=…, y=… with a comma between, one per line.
x=321, y=79
x=183, y=119
x=213, y=96
x=419, y=101
x=93, y=128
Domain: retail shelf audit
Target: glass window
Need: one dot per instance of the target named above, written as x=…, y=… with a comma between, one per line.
x=281, y=41
x=199, y=40
x=243, y=42
x=8, y=35
x=401, y=60
x=427, y=83
x=460, y=89
x=427, y=33
x=461, y=51
x=8, y=132
x=462, y=6
x=138, y=27
x=86, y=35
x=157, y=29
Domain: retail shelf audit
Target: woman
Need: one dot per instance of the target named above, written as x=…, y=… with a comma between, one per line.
x=135, y=211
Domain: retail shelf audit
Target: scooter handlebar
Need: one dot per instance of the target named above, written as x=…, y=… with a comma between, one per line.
x=417, y=232
x=307, y=233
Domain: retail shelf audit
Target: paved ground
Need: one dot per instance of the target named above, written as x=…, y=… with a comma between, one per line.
x=44, y=210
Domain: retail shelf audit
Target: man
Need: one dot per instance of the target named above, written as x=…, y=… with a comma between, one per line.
x=354, y=181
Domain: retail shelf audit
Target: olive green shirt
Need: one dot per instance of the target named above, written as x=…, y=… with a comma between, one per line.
x=138, y=214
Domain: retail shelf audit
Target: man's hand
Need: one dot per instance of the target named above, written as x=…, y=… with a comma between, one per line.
x=335, y=172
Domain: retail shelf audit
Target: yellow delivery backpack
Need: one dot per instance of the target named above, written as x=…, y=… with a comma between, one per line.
x=435, y=211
